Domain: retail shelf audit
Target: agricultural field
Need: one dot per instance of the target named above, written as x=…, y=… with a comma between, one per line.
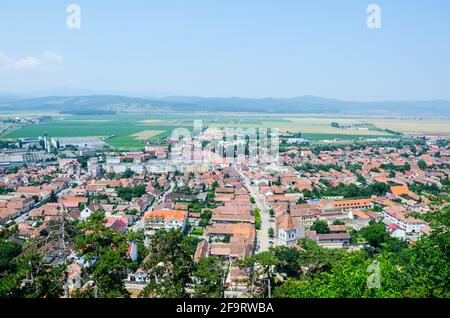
x=147, y=134
x=429, y=126
x=134, y=130
x=121, y=131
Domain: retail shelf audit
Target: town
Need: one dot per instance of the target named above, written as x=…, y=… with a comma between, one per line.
x=80, y=219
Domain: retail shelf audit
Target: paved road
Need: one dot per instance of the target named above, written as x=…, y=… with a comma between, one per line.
x=260, y=201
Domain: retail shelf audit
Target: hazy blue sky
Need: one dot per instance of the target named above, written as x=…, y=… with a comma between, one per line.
x=248, y=48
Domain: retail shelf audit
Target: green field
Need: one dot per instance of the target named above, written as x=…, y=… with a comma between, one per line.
x=132, y=131
x=124, y=129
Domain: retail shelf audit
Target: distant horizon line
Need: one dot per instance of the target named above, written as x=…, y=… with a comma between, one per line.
x=91, y=93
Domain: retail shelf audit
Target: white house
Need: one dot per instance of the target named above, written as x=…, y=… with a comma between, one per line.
x=165, y=219
x=88, y=210
x=410, y=225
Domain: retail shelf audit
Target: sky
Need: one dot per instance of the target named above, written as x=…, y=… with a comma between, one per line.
x=245, y=48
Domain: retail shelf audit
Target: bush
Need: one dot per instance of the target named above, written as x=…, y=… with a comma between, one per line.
x=257, y=219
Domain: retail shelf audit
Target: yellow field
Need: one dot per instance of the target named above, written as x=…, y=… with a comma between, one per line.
x=147, y=134
x=304, y=125
x=322, y=125
x=413, y=126
x=152, y=121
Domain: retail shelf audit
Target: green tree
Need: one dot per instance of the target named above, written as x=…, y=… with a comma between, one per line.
x=374, y=234
x=209, y=278
x=264, y=265
x=127, y=194
x=128, y=173
x=106, y=250
x=169, y=265
x=422, y=164
x=349, y=278
x=258, y=221
x=287, y=261
x=30, y=277
x=429, y=262
x=272, y=213
x=321, y=227
x=8, y=251
x=205, y=217
x=52, y=198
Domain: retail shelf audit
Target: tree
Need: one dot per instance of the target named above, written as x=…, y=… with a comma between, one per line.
x=264, y=265
x=321, y=227
x=4, y=190
x=335, y=124
x=83, y=161
x=422, y=270
x=127, y=194
x=349, y=278
x=361, y=179
x=205, y=217
x=52, y=198
x=338, y=222
x=271, y=232
x=288, y=261
x=30, y=277
x=258, y=221
x=209, y=278
x=316, y=259
x=128, y=173
x=422, y=164
x=429, y=262
x=109, y=272
x=8, y=251
x=272, y=213
x=169, y=265
x=374, y=234
x=106, y=250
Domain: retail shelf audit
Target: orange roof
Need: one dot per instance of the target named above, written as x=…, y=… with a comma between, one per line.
x=167, y=214
x=350, y=203
x=338, y=228
x=399, y=190
x=73, y=200
x=286, y=222
x=272, y=198
x=243, y=229
x=360, y=214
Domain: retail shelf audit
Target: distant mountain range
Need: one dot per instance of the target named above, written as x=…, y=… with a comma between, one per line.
x=306, y=104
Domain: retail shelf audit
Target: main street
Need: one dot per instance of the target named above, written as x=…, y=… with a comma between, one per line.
x=261, y=203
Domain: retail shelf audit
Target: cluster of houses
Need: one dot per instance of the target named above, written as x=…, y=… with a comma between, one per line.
x=215, y=202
